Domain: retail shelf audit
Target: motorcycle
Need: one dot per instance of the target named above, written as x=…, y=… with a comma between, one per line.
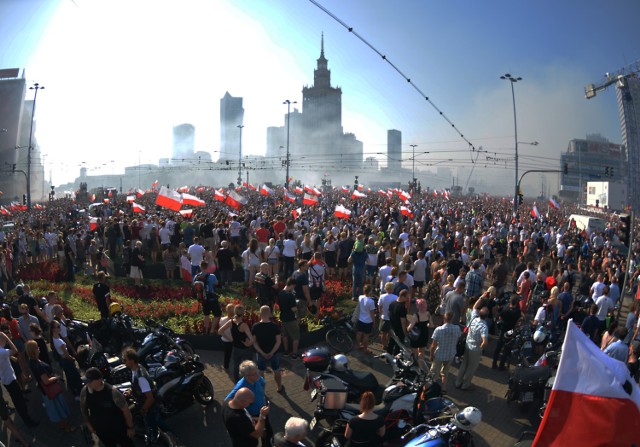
x=161, y=339
x=456, y=432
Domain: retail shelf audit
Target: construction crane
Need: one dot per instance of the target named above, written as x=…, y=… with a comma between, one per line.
x=627, y=82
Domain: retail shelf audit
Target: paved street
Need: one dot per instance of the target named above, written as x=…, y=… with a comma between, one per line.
x=502, y=423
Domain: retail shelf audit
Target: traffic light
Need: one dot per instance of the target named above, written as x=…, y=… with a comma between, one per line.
x=566, y=168
x=13, y=168
x=24, y=199
x=606, y=171
x=611, y=171
x=625, y=229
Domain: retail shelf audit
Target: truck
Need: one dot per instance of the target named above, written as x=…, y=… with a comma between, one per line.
x=607, y=195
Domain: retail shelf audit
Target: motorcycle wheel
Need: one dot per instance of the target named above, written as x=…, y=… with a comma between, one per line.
x=204, y=391
x=325, y=439
x=186, y=347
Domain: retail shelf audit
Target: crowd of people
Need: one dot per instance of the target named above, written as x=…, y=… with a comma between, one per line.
x=417, y=276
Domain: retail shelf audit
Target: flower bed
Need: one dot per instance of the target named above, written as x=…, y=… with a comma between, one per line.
x=169, y=302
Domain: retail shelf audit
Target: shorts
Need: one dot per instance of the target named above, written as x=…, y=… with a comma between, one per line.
x=136, y=272
x=4, y=409
x=385, y=326
x=418, y=284
x=365, y=328
x=440, y=367
x=343, y=263
x=273, y=362
x=372, y=270
x=315, y=293
x=211, y=307
x=291, y=329
x=272, y=261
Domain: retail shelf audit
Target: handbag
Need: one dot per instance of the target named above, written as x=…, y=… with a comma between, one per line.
x=52, y=390
x=415, y=332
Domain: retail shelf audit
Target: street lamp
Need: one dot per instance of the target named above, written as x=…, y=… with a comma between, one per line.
x=413, y=170
x=240, y=126
x=513, y=80
x=35, y=87
x=288, y=103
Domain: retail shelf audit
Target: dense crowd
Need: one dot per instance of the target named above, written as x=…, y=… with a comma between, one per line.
x=419, y=268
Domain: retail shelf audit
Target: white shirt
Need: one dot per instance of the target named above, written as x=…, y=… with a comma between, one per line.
x=165, y=235
x=7, y=375
x=289, y=248
x=384, y=302
x=605, y=304
x=367, y=305
x=384, y=272
x=196, y=252
x=234, y=228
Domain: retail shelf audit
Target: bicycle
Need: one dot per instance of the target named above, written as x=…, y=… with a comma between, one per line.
x=339, y=334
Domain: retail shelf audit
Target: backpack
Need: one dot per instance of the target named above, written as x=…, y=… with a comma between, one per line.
x=200, y=287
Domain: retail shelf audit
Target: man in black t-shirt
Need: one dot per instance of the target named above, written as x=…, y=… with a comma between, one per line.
x=509, y=315
x=266, y=342
x=265, y=286
x=288, y=316
x=398, y=320
x=242, y=429
x=226, y=264
x=101, y=294
x=302, y=288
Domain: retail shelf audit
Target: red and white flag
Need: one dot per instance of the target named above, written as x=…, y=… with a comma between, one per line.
x=93, y=224
x=298, y=190
x=344, y=189
x=201, y=189
x=110, y=194
x=296, y=213
x=183, y=189
x=105, y=200
x=309, y=199
x=446, y=194
x=594, y=400
x=168, y=198
x=553, y=204
x=358, y=195
x=341, y=212
x=317, y=192
x=309, y=189
x=186, y=213
x=131, y=199
x=406, y=212
x=188, y=199
x=266, y=191
x=289, y=197
x=219, y=196
x=138, y=208
x=235, y=200
x=404, y=195
x=153, y=185
x=252, y=188
x=4, y=211
x=535, y=213
x=139, y=192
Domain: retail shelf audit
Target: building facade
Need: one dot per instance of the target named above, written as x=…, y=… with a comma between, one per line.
x=628, y=95
x=231, y=116
x=394, y=149
x=184, y=140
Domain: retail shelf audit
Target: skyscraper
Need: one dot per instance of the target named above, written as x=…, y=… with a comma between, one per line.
x=183, y=143
x=12, y=94
x=231, y=115
x=394, y=149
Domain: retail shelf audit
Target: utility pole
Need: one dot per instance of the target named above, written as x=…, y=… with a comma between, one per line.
x=413, y=169
x=288, y=103
x=35, y=87
x=240, y=126
x=513, y=80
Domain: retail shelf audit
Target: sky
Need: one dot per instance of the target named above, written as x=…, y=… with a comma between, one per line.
x=119, y=74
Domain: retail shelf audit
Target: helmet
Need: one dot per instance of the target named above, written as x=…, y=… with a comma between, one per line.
x=115, y=309
x=172, y=358
x=468, y=418
x=340, y=362
x=19, y=290
x=539, y=336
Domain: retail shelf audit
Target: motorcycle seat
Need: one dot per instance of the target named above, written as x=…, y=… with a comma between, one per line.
x=379, y=409
x=359, y=379
x=532, y=375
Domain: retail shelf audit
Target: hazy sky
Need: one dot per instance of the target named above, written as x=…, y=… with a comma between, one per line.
x=119, y=74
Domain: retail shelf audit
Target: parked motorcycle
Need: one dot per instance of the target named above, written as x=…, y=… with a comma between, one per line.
x=160, y=338
x=457, y=432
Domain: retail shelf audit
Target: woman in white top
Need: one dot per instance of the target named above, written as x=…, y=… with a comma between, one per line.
x=226, y=337
x=272, y=256
x=251, y=260
x=366, y=316
x=67, y=362
x=288, y=254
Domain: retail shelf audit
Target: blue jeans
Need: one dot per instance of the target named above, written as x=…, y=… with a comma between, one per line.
x=358, y=284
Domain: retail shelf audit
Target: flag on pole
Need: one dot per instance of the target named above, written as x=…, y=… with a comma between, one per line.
x=139, y=192
x=553, y=204
x=344, y=189
x=153, y=185
x=266, y=191
x=188, y=199
x=296, y=212
x=219, y=196
x=252, y=188
x=201, y=189
x=360, y=187
x=358, y=195
x=316, y=191
x=309, y=199
x=406, y=212
x=235, y=200
x=4, y=211
x=110, y=193
x=298, y=190
x=168, y=198
x=341, y=212
x=186, y=213
x=535, y=213
x=445, y=193
x=309, y=189
x=131, y=198
x=289, y=197
x=138, y=208
x=105, y=200
x=93, y=224
x=594, y=400
x=183, y=189
x=404, y=195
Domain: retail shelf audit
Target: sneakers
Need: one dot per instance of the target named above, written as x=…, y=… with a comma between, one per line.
x=281, y=390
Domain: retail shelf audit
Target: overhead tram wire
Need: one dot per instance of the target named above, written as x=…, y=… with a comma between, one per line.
x=386, y=59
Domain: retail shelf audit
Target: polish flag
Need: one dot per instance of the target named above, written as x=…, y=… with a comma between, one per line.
x=186, y=213
x=296, y=213
x=131, y=199
x=435, y=193
x=138, y=208
x=317, y=192
x=105, y=200
x=110, y=193
x=594, y=400
x=445, y=193
x=93, y=197
x=289, y=197
x=298, y=190
x=218, y=196
x=383, y=193
x=139, y=192
x=266, y=191
x=358, y=195
x=309, y=199
x=168, y=198
x=153, y=185
x=535, y=213
x=341, y=212
x=360, y=187
x=404, y=195
x=309, y=189
x=251, y=187
x=93, y=224
x=235, y=200
x=183, y=189
x=201, y=189
x=406, y=212
x=345, y=189
x=4, y=211
x=553, y=204
x=188, y=199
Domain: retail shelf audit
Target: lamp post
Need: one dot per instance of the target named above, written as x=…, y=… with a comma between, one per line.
x=413, y=169
x=35, y=87
x=288, y=103
x=513, y=80
x=240, y=126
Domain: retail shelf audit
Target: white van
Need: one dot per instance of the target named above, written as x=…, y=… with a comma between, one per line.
x=588, y=223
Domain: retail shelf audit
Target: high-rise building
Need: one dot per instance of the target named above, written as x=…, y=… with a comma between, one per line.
x=231, y=116
x=184, y=137
x=394, y=149
x=12, y=94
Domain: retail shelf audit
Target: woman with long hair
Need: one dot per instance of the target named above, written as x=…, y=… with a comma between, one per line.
x=252, y=258
x=421, y=320
x=67, y=362
x=330, y=254
x=272, y=256
x=367, y=428
x=242, y=339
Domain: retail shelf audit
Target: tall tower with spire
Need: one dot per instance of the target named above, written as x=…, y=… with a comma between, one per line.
x=322, y=103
